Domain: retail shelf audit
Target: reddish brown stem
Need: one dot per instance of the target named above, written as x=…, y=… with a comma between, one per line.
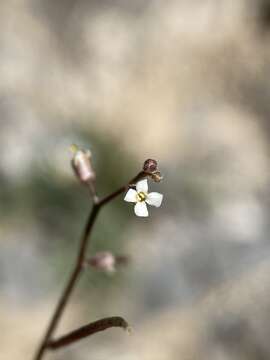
x=78, y=266
x=71, y=282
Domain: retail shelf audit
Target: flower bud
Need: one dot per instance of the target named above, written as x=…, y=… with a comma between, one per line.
x=104, y=261
x=82, y=164
x=150, y=165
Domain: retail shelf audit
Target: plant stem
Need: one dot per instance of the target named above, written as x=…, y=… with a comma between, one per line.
x=71, y=282
x=78, y=266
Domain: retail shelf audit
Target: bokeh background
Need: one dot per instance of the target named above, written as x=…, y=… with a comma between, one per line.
x=185, y=82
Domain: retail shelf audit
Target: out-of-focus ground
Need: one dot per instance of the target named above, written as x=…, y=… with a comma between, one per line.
x=186, y=82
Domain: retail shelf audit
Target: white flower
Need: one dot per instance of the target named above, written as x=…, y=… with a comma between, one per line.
x=140, y=196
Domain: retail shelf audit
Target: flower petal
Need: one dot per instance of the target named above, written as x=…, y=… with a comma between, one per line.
x=131, y=196
x=142, y=186
x=141, y=209
x=154, y=199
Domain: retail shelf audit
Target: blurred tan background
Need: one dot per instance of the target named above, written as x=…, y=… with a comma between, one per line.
x=185, y=82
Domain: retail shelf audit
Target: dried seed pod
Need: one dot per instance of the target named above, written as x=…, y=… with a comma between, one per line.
x=88, y=330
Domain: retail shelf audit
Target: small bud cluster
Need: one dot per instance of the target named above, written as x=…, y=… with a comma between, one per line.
x=150, y=167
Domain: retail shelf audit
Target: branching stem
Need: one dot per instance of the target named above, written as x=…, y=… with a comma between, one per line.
x=46, y=342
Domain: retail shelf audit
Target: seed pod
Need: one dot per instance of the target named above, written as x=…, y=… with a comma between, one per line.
x=88, y=330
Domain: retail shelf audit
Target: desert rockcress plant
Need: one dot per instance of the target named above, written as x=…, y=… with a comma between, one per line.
x=136, y=192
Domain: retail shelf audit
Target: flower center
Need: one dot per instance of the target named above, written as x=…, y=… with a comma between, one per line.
x=141, y=196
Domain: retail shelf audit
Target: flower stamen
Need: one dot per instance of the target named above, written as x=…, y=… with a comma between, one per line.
x=141, y=196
